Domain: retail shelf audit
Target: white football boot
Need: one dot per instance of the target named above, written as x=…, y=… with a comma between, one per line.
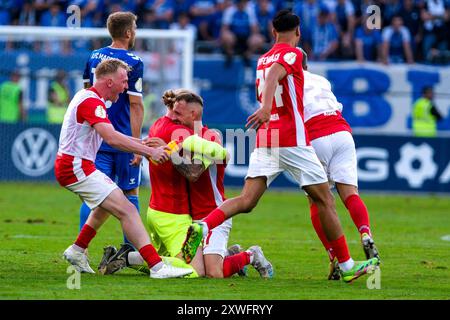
x=168, y=271
x=260, y=263
x=78, y=259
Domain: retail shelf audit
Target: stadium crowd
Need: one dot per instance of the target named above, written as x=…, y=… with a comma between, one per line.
x=410, y=30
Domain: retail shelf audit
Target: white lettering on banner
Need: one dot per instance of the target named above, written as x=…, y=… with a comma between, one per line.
x=410, y=153
x=445, y=176
x=356, y=86
x=376, y=169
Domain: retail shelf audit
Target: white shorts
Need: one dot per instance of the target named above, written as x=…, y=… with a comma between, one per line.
x=337, y=154
x=216, y=242
x=301, y=163
x=93, y=189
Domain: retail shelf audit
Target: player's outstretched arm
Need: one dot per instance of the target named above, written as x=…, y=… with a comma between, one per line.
x=262, y=115
x=122, y=142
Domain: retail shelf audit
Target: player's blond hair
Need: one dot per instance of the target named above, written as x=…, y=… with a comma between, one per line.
x=173, y=95
x=110, y=66
x=119, y=23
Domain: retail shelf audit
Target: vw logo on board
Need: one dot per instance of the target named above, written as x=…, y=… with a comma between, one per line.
x=33, y=152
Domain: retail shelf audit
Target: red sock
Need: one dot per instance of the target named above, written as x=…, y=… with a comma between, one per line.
x=340, y=249
x=358, y=212
x=318, y=227
x=150, y=255
x=215, y=218
x=232, y=264
x=85, y=236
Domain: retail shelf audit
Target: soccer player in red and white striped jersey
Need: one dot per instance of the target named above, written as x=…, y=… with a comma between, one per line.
x=283, y=145
x=332, y=140
x=85, y=126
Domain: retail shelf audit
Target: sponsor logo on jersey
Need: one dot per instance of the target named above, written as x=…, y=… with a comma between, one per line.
x=290, y=58
x=100, y=112
x=138, y=85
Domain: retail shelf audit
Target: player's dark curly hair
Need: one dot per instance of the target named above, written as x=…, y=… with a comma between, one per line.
x=285, y=20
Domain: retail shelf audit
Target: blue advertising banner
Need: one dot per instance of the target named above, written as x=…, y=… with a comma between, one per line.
x=376, y=98
x=385, y=163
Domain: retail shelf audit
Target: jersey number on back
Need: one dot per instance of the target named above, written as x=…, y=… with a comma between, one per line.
x=260, y=85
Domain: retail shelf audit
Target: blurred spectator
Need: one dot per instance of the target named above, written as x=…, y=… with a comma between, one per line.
x=151, y=112
x=203, y=14
x=53, y=17
x=324, y=37
x=5, y=12
x=183, y=23
x=148, y=20
x=240, y=32
x=389, y=9
x=396, y=46
x=11, y=107
x=425, y=115
x=27, y=16
x=264, y=15
x=345, y=20
x=180, y=6
x=367, y=43
x=435, y=15
x=308, y=12
x=216, y=26
x=58, y=98
x=163, y=12
x=410, y=13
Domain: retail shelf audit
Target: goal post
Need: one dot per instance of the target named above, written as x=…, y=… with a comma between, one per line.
x=38, y=52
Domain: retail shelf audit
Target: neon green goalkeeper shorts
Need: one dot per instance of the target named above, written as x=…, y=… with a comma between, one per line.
x=167, y=231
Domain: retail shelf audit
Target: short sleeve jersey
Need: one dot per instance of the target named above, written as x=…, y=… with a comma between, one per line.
x=118, y=112
x=169, y=187
x=286, y=127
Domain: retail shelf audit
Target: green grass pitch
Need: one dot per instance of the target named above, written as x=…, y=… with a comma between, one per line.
x=38, y=222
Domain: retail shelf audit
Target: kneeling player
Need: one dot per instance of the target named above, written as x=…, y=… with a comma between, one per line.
x=166, y=220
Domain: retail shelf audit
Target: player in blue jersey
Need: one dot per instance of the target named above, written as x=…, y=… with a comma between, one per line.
x=126, y=115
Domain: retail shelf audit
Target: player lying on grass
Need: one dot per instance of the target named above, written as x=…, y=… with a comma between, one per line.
x=282, y=145
x=85, y=125
x=203, y=191
x=333, y=143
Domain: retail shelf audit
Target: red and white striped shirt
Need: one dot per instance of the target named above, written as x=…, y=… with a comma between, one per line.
x=322, y=110
x=286, y=127
x=78, y=140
